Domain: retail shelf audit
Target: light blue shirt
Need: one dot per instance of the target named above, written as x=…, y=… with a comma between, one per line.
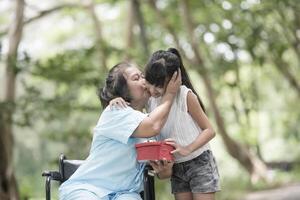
x=111, y=166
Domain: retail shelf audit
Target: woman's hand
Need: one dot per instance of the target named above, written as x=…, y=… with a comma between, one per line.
x=162, y=168
x=118, y=102
x=175, y=83
x=184, y=151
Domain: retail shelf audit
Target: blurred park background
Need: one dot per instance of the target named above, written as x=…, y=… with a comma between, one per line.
x=243, y=57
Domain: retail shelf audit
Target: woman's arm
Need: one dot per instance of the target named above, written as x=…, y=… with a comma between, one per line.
x=154, y=122
x=201, y=119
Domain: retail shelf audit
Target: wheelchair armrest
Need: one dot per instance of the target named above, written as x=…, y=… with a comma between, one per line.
x=54, y=175
x=51, y=175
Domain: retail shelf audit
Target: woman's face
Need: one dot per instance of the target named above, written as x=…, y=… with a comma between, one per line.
x=137, y=86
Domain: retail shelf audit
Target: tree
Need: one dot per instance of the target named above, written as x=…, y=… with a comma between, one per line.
x=9, y=189
x=100, y=42
x=249, y=161
x=140, y=21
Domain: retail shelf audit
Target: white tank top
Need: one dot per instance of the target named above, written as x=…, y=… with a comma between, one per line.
x=180, y=125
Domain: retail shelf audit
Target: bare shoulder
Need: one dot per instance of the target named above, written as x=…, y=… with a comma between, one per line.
x=192, y=102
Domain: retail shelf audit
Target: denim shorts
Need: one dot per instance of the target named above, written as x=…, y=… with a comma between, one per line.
x=199, y=175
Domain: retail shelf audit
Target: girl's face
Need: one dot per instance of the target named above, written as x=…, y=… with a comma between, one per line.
x=156, y=91
x=136, y=86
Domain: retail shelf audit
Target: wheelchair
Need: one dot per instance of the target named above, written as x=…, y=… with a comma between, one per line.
x=68, y=167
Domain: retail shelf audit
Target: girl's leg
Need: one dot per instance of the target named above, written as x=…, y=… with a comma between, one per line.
x=203, y=196
x=183, y=196
x=204, y=177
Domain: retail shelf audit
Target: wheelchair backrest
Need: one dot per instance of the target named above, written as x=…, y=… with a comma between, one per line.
x=68, y=167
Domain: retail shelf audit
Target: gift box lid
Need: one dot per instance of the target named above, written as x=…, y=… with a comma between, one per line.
x=144, y=144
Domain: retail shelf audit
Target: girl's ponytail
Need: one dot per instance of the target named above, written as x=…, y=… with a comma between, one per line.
x=184, y=74
x=185, y=77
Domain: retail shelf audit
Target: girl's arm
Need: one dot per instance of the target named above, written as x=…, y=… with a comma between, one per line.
x=154, y=122
x=201, y=119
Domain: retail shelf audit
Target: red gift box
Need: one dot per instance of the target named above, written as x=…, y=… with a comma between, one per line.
x=154, y=151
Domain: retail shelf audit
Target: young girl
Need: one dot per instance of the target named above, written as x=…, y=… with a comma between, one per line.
x=194, y=174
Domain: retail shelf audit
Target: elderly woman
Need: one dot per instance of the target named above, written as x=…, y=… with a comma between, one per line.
x=111, y=171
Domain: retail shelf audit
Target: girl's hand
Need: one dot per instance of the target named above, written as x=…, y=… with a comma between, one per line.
x=161, y=165
x=162, y=168
x=184, y=151
x=118, y=102
x=175, y=83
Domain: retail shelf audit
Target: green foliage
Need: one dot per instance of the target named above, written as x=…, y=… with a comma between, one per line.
x=253, y=46
x=70, y=67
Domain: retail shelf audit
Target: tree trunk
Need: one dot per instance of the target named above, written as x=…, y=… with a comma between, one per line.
x=294, y=42
x=100, y=43
x=141, y=23
x=129, y=32
x=8, y=188
x=246, y=158
x=283, y=69
x=290, y=29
